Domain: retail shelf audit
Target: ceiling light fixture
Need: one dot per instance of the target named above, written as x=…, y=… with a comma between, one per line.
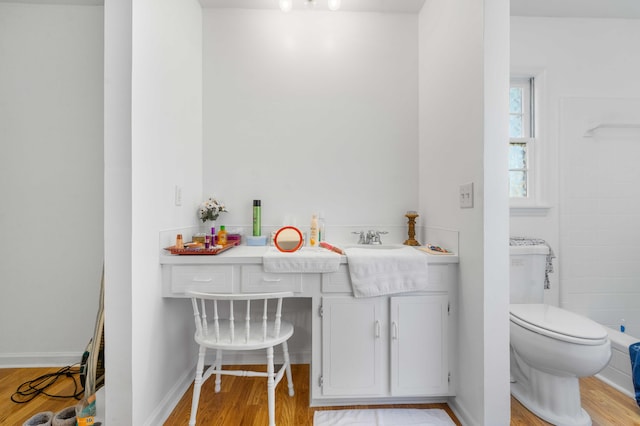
x=287, y=5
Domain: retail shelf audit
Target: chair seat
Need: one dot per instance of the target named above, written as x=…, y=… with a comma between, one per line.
x=255, y=340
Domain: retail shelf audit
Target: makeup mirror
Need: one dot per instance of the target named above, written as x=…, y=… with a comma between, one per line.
x=288, y=239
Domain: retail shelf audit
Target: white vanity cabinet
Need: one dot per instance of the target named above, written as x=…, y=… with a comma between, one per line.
x=419, y=332
x=385, y=346
x=354, y=346
x=398, y=348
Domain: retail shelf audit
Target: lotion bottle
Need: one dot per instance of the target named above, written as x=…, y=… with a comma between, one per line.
x=222, y=236
x=313, y=231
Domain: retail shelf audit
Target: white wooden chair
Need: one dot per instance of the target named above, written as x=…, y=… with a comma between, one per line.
x=242, y=334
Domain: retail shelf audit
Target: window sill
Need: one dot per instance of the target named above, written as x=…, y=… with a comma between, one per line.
x=532, y=210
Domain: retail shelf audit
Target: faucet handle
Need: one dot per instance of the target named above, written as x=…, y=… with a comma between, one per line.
x=361, y=239
x=375, y=237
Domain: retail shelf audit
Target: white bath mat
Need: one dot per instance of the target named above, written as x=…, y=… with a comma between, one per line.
x=383, y=417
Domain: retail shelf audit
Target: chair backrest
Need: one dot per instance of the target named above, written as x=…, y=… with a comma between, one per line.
x=200, y=300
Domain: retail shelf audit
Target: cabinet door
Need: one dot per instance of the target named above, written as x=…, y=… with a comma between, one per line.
x=354, y=339
x=419, y=345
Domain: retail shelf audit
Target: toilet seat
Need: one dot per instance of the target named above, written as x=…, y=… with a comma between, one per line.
x=558, y=324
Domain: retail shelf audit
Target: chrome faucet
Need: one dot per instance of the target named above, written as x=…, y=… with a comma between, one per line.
x=371, y=237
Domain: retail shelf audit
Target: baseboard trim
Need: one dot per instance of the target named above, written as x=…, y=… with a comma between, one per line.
x=461, y=413
x=39, y=359
x=171, y=399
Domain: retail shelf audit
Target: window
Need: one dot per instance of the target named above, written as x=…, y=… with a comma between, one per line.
x=521, y=137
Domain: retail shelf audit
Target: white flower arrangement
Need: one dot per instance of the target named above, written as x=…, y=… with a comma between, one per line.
x=210, y=209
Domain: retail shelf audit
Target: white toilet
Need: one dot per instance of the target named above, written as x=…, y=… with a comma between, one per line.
x=550, y=347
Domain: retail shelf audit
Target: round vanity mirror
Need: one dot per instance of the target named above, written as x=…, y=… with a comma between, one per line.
x=288, y=239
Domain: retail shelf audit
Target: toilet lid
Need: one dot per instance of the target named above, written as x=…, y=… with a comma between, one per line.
x=558, y=323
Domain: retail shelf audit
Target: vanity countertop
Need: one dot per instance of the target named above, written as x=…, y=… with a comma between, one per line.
x=243, y=254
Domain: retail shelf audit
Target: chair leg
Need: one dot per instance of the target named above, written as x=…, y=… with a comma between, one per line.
x=271, y=387
x=197, y=385
x=285, y=349
x=218, y=367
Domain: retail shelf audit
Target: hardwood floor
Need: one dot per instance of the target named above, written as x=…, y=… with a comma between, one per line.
x=12, y=414
x=243, y=401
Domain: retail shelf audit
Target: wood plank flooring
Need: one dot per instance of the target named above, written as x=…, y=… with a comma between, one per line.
x=243, y=401
x=12, y=414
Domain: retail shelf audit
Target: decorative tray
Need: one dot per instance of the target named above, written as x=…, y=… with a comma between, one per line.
x=437, y=250
x=201, y=250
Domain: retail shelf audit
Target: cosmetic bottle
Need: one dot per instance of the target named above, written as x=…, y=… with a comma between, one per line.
x=257, y=220
x=321, y=228
x=212, y=241
x=179, y=242
x=313, y=231
x=222, y=236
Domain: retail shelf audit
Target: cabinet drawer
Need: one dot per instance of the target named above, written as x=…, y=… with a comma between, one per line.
x=337, y=282
x=210, y=278
x=256, y=280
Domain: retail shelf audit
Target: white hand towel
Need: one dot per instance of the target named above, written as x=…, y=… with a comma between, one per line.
x=377, y=272
x=307, y=259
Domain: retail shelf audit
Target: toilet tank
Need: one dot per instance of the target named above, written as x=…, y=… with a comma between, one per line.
x=526, y=273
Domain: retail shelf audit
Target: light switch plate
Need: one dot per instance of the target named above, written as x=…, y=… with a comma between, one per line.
x=466, y=196
x=178, y=195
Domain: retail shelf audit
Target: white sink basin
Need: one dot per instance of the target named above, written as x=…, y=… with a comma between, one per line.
x=378, y=246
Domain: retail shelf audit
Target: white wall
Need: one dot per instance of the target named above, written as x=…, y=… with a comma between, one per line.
x=463, y=80
x=166, y=138
x=592, y=222
x=117, y=212
x=51, y=180
x=309, y=112
x=153, y=112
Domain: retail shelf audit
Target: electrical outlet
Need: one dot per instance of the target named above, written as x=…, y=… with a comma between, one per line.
x=178, y=195
x=466, y=196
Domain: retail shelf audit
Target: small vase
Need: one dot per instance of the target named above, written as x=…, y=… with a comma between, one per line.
x=208, y=225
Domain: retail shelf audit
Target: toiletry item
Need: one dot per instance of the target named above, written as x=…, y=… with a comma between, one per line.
x=328, y=246
x=179, y=242
x=259, y=240
x=207, y=241
x=322, y=236
x=257, y=220
x=233, y=238
x=313, y=231
x=212, y=241
x=222, y=236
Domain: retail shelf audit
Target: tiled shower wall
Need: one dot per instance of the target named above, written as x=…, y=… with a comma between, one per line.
x=600, y=209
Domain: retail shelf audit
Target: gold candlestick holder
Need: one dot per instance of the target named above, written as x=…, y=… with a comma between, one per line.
x=412, y=229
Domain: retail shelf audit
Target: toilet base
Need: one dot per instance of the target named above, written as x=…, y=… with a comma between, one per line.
x=555, y=399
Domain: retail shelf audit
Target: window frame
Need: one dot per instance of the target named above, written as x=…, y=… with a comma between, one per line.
x=533, y=204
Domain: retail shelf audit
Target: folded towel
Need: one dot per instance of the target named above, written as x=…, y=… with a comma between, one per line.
x=307, y=259
x=634, y=353
x=376, y=272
